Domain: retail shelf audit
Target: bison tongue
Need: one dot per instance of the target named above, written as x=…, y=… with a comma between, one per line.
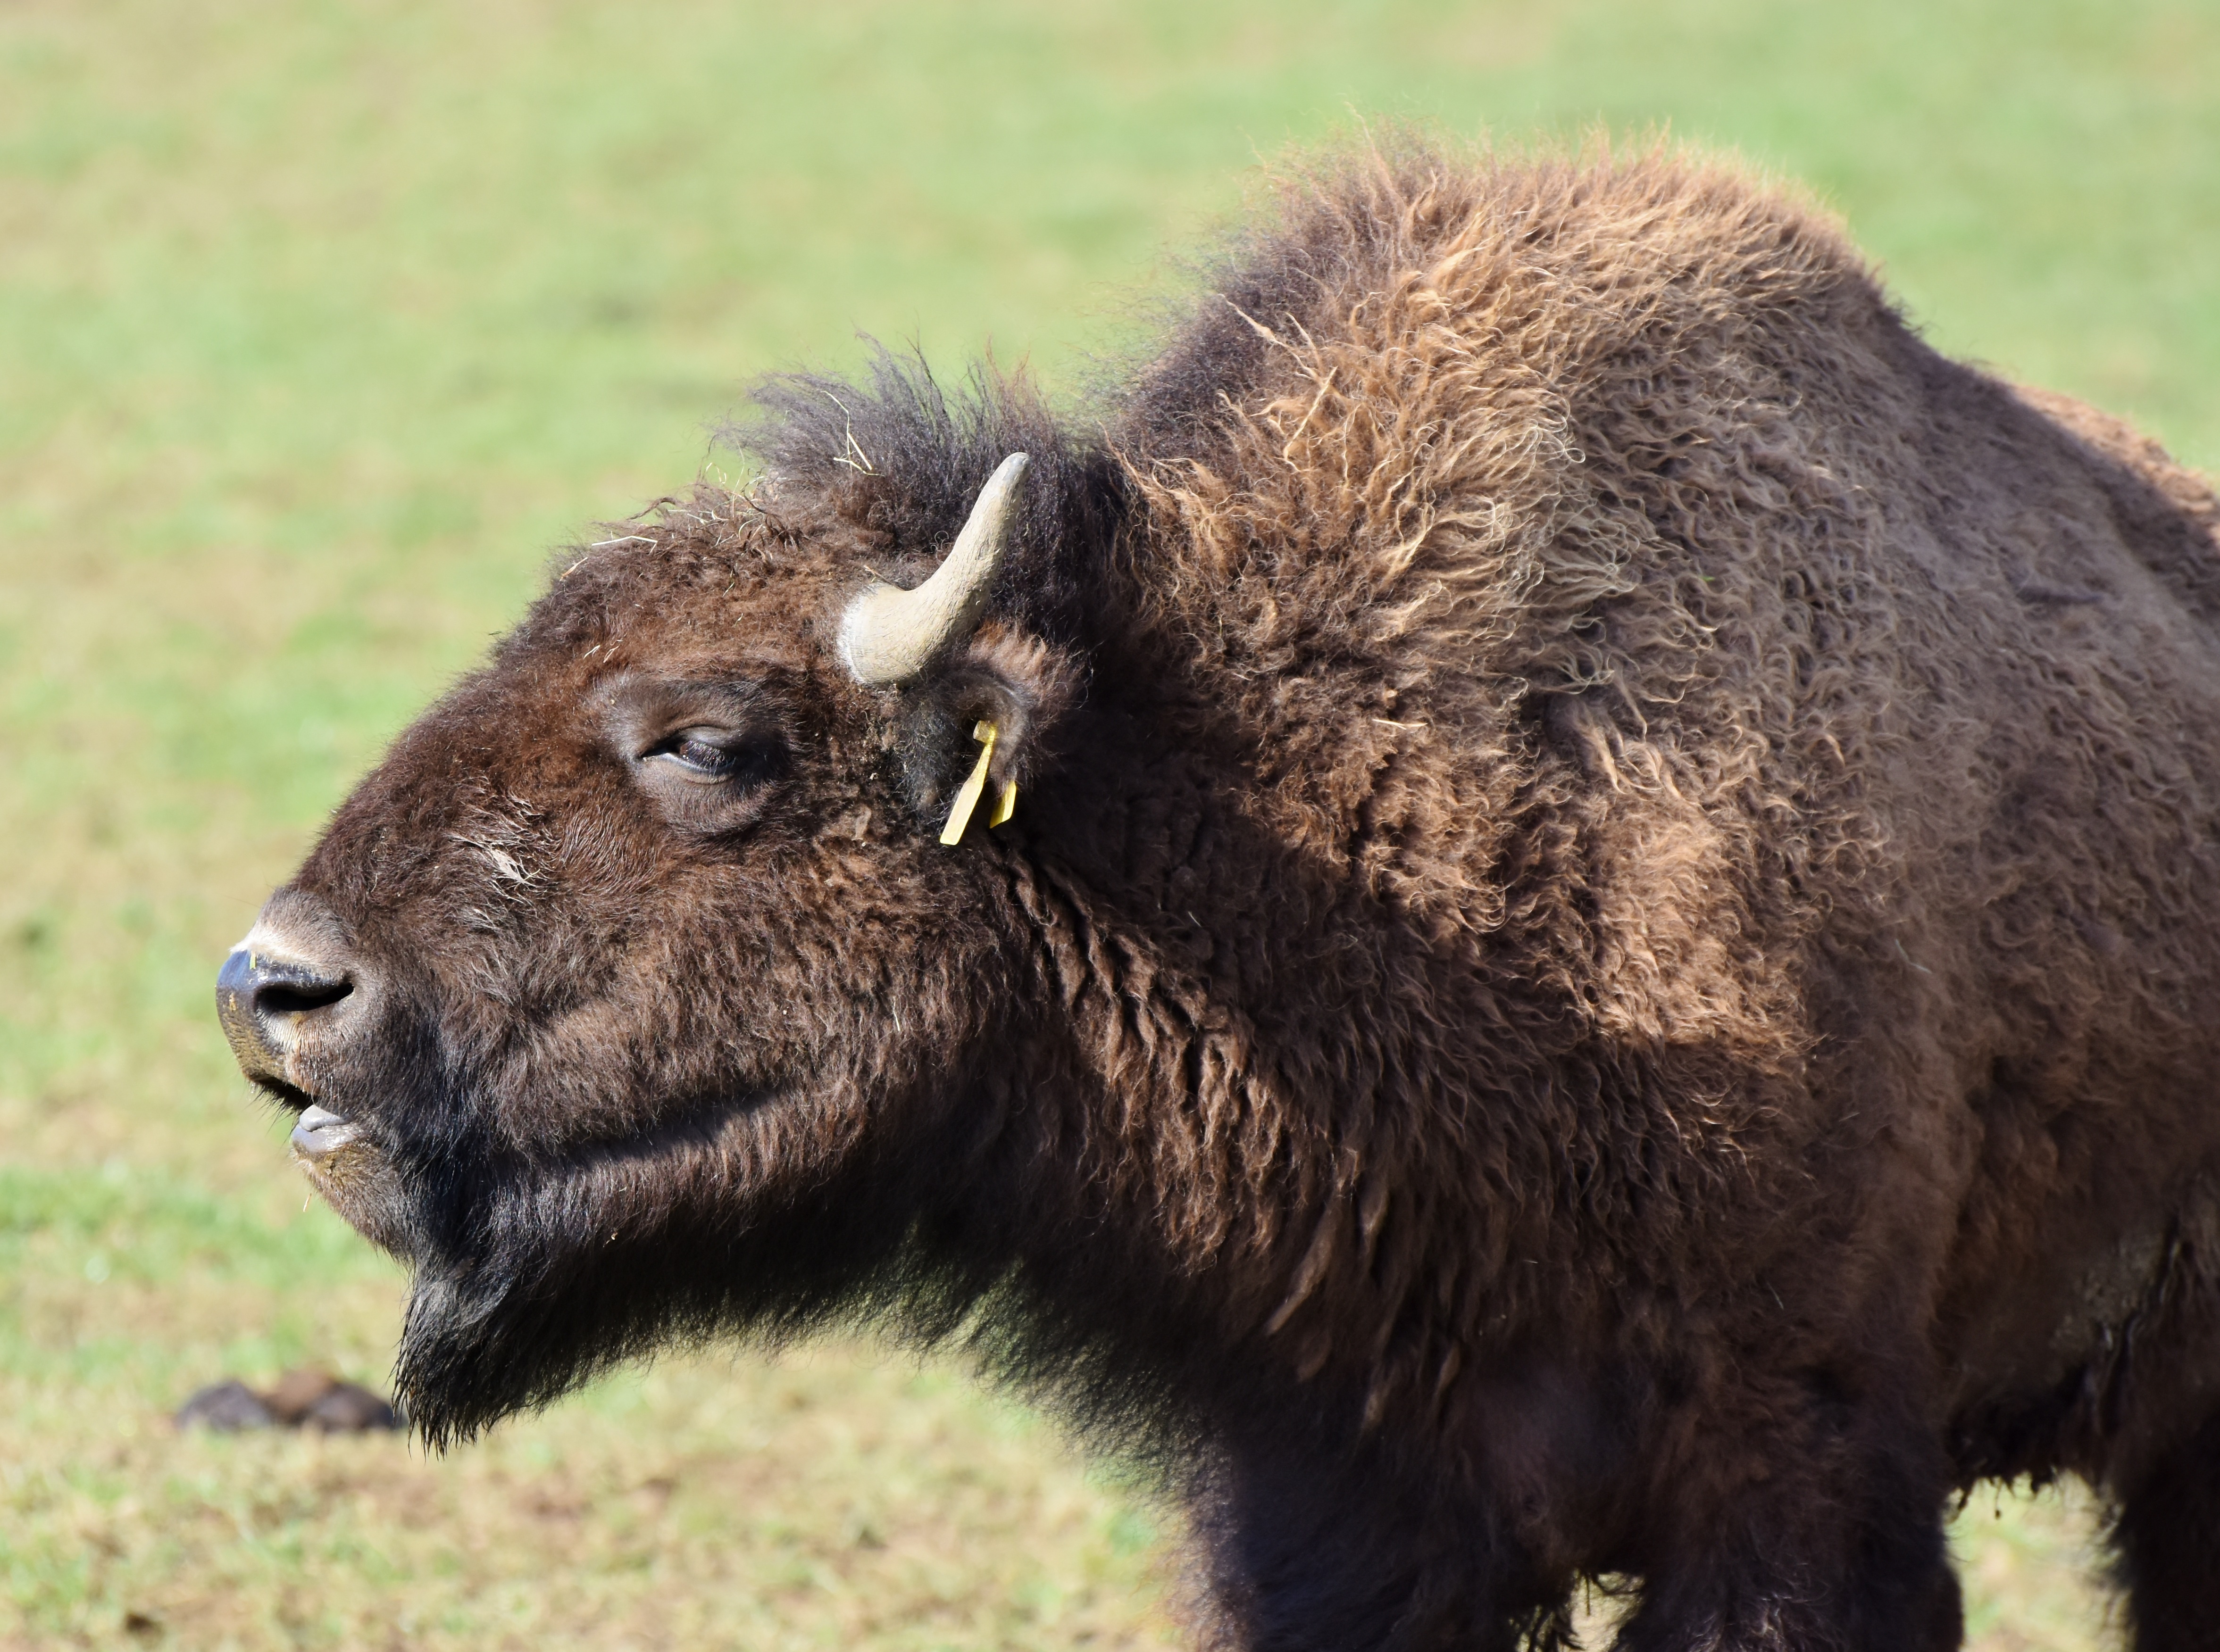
x=320, y=1131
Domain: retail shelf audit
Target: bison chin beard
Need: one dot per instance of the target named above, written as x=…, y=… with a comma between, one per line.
x=563, y=1271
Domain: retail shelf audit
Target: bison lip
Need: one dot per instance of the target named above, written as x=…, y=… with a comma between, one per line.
x=320, y=1132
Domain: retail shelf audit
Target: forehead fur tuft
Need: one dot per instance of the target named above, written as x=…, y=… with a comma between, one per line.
x=892, y=462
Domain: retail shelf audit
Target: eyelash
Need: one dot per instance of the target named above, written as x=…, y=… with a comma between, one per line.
x=741, y=762
x=700, y=754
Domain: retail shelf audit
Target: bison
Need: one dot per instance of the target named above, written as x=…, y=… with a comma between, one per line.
x=1544, y=906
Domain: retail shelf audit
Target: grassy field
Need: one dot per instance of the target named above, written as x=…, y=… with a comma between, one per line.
x=322, y=322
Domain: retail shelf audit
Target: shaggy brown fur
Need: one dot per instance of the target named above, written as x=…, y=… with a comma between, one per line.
x=1604, y=966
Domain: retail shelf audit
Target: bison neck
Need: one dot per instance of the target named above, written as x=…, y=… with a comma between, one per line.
x=1310, y=1137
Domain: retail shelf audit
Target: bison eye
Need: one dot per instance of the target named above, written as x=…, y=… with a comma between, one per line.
x=717, y=756
x=708, y=756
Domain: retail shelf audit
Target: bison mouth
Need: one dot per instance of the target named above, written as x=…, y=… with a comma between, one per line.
x=285, y=1094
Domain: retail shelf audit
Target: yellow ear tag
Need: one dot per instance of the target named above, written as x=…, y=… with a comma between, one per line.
x=1006, y=805
x=967, y=795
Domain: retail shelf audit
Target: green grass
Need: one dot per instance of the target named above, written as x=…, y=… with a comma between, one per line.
x=321, y=324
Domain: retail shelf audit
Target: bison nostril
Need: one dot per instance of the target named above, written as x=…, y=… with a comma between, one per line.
x=295, y=997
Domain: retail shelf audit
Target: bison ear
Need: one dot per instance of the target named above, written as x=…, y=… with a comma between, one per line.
x=1002, y=676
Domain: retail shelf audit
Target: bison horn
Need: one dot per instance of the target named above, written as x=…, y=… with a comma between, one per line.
x=889, y=635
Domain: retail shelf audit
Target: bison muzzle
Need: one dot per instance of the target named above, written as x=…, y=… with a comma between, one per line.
x=1578, y=934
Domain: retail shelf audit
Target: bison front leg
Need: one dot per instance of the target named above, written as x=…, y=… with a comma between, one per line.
x=2167, y=1537
x=1821, y=1530
x=1313, y=1552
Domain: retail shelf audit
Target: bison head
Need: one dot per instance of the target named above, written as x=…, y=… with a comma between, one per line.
x=636, y=993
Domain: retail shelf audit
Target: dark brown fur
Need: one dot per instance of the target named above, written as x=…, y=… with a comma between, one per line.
x=1604, y=964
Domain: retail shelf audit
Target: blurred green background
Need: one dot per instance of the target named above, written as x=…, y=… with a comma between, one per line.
x=323, y=324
